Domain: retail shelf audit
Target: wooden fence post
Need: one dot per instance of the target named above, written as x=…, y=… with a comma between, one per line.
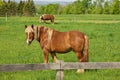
x=6, y=17
x=60, y=72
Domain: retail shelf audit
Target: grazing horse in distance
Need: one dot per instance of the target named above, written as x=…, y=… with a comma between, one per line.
x=53, y=41
x=46, y=17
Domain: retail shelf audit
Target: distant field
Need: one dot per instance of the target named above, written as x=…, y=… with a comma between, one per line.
x=104, y=37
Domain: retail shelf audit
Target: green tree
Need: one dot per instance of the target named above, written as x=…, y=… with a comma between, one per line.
x=115, y=8
x=106, y=9
x=12, y=8
x=50, y=9
x=41, y=10
x=33, y=9
x=20, y=8
x=3, y=8
x=57, y=8
x=60, y=10
x=69, y=9
x=91, y=8
x=63, y=11
x=99, y=8
x=1, y=3
x=78, y=7
x=85, y=4
x=29, y=8
x=26, y=9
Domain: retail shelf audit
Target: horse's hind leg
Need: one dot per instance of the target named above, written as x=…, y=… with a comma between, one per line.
x=52, y=21
x=44, y=21
x=80, y=57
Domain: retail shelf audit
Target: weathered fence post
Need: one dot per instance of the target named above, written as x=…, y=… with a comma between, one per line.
x=6, y=17
x=60, y=72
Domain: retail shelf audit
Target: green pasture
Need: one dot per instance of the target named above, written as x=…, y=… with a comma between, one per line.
x=104, y=46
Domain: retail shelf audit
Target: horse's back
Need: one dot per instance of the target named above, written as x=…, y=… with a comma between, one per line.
x=76, y=34
x=48, y=16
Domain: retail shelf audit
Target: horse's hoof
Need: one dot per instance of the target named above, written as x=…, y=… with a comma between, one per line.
x=80, y=71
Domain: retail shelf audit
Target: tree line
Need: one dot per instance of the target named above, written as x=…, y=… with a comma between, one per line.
x=12, y=8
x=28, y=8
x=84, y=7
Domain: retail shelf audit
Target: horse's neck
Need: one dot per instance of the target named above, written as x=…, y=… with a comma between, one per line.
x=45, y=30
x=37, y=33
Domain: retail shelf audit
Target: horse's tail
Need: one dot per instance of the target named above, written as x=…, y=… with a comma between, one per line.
x=85, y=50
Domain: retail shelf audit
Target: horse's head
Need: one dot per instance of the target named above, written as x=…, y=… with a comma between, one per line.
x=41, y=17
x=29, y=30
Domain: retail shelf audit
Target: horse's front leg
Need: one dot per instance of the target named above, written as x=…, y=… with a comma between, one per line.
x=46, y=55
x=40, y=20
x=54, y=57
x=44, y=21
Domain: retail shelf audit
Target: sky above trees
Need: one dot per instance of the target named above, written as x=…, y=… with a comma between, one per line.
x=59, y=0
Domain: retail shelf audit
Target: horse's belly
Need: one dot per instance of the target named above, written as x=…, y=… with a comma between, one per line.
x=61, y=48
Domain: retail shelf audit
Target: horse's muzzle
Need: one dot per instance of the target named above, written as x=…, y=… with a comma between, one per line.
x=29, y=42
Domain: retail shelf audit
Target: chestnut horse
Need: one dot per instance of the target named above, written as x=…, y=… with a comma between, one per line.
x=53, y=41
x=46, y=17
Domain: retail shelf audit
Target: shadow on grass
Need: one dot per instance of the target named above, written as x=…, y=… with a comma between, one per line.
x=49, y=23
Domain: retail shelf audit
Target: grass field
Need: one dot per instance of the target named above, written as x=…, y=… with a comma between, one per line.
x=104, y=37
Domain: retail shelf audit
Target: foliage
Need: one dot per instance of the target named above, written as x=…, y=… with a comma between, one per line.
x=8, y=8
x=84, y=7
x=1, y=3
x=50, y=9
x=91, y=8
x=12, y=8
x=99, y=9
x=28, y=8
x=3, y=8
x=115, y=8
x=20, y=8
x=106, y=9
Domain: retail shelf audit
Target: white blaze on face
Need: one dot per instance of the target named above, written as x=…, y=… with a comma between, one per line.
x=28, y=31
x=27, y=41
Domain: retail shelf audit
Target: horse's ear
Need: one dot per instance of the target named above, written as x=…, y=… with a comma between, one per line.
x=25, y=26
x=32, y=26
